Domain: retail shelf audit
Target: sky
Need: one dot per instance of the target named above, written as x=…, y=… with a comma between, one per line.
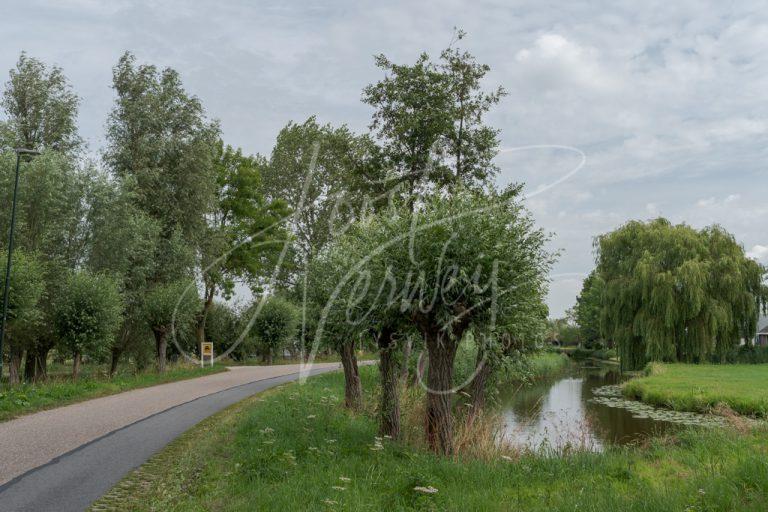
x=615, y=111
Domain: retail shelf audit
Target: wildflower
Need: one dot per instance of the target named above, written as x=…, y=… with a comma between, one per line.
x=345, y=479
x=266, y=430
x=425, y=490
x=338, y=488
x=330, y=441
x=330, y=502
x=311, y=417
x=507, y=457
x=270, y=441
x=313, y=448
x=387, y=436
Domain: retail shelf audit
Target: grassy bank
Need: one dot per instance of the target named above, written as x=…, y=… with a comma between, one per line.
x=547, y=363
x=58, y=391
x=700, y=388
x=295, y=448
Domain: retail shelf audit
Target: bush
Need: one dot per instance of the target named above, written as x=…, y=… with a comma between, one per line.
x=748, y=354
x=275, y=325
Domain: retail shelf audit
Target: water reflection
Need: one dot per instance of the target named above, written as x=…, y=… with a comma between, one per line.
x=559, y=413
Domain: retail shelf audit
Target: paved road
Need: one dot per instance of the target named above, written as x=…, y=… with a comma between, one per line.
x=100, y=441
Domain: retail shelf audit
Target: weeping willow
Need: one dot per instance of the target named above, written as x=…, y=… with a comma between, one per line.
x=674, y=293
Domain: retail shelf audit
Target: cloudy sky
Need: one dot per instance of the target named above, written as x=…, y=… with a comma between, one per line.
x=667, y=101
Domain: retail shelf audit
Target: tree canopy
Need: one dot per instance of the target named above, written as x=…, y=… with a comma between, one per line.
x=674, y=293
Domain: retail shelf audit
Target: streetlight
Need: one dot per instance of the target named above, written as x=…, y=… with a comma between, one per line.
x=19, y=152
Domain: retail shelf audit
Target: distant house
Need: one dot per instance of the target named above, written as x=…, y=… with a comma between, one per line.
x=761, y=339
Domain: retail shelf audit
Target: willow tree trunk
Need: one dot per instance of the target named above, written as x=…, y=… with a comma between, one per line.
x=353, y=394
x=29, y=365
x=161, y=349
x=389, y=423
x=76, y=360
x=203, y=317
x=439, y=418
x=41, y=359
x=114, y=359
x=14, y=368
x=477, y=389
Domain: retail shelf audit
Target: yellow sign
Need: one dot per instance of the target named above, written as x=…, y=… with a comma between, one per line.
x=207, y=348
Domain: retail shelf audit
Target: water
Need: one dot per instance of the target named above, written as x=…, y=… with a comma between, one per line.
x=558, y=413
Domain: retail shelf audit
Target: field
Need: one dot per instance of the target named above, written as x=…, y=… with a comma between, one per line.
x=701, y=388
x=296, y=448
x=60, y=390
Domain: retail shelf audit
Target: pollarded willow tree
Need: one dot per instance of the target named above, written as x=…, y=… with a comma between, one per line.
x=86, y=315
x=673, y=293
x=462, y=261
x=274, y=325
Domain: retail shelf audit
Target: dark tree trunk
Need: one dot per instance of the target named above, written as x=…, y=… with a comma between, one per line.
x=44, y=346
x=477, y=389
x=14, y=368
x=41, y=372
x=390, y=399
x=353, y=394
x=203, y=316
x=439, y=418
x=30, y=362
x=114, y=359
x=76, y=360
x=161, y=348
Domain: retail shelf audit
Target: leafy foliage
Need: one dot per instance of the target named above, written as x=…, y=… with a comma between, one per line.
x=27, y=288
x=87, y=313
x=170, y=308
x=275, y=324
x=41, y=108
x=588, y=307
x=673, y=293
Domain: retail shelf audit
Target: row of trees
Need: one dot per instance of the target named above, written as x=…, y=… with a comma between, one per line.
x=395, y=237
x=667, y=292
x=138, y=245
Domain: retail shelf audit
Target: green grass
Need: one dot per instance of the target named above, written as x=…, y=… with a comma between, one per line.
x=29, y=398
x=544, y=364
x=700, y=388
x=289, y=448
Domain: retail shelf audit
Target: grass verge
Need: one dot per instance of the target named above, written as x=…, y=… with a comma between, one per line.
x=701, y=388
x=28, y=398
x=296, y=448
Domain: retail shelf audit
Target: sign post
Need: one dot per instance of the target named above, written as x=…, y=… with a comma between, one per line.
x=206, y=351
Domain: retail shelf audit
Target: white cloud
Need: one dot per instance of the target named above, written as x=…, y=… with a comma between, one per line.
x=554, y=62
x=759, y=253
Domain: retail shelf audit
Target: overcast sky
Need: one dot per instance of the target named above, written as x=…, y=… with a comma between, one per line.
x=666, y=100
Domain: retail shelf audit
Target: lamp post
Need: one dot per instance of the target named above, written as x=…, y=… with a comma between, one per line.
x=19, y=152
